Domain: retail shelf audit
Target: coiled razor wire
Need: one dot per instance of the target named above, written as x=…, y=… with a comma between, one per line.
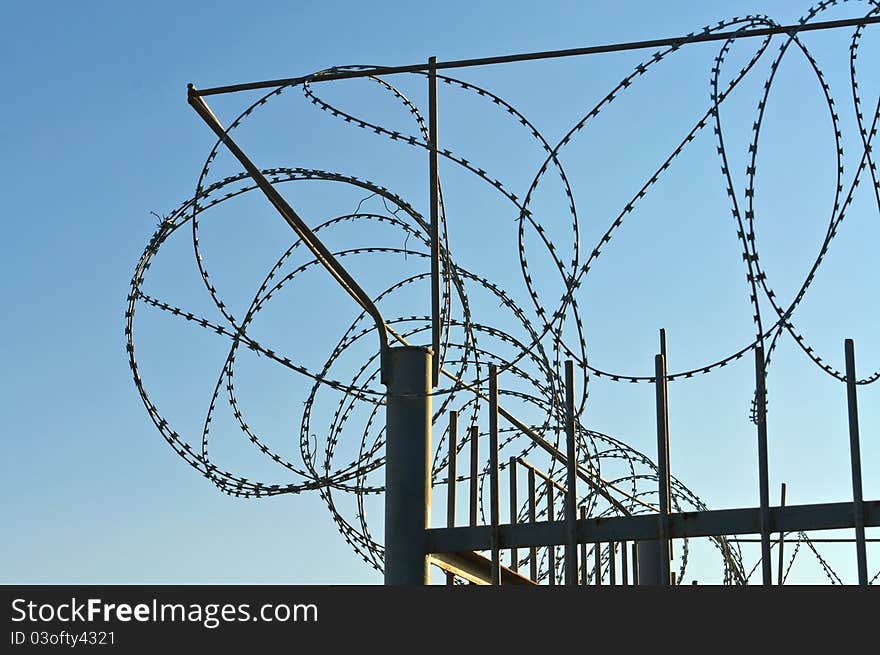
x=530, y=362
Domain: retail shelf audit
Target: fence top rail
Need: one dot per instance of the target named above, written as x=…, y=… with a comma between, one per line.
x=674, y=42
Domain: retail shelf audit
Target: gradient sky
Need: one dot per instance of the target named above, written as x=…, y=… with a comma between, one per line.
x=97, y=135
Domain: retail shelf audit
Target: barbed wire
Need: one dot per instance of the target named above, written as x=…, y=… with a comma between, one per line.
x=529, y=360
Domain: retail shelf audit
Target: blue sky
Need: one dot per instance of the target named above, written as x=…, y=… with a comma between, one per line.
x=98, y=135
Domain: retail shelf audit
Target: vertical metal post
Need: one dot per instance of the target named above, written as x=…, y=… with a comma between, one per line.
x=635, y=561
x=533, y=550
x=494, y=511
x=856, y=461
x=648, y=562
x=407, y=466
x=624, y=573
x=514, y=507
x=475, y=474
x=763, y=474
x=668, y=467
x=451, y=480
x=551, y=550
x=571, y=479
x=584, y=565
x=781, y=537
x=662, y=469
x=434, y=191
x=612, y=565
x=597, y=564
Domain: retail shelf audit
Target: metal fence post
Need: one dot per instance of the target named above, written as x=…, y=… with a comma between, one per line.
x=514, y=509
x=533, y=551
x=571, y=479
x=407, y=465
x=763, y=474
x=662, y=471
x=781, y=538
x=494, y=491
x=451, y=480
x=434, y=198
x=856, y=461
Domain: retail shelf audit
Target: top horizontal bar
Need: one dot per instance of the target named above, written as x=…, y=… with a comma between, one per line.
x=550, y=54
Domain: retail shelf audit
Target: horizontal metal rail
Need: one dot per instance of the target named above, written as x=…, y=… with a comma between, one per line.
x=644, y=527
x=703, y=37
x=816, y=540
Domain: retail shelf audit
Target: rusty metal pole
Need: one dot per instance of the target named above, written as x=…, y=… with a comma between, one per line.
x=856, y=461
x=407, y=466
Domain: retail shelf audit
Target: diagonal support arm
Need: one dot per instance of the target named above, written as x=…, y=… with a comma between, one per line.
x=323, y=255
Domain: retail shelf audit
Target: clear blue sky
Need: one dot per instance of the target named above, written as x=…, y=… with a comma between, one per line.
x=97, y=134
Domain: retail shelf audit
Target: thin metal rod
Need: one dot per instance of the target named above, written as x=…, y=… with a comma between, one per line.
x=434, y=189
x=597, y=564
x=584, y=566
x=494, y=513
x=674, y=42
x=571, y=480
x=514, y=508
x=551, y=550
x=312, y=242
x=668, y=466
x=624, y=572
x=475, y=473
x=856, y=461
x=781, y=538
x=533, y=551
x=451, y=480
x=763, y=475
x=662, y=466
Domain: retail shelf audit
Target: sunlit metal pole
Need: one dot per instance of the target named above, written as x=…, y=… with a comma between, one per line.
x=451, y=479
x=407, y=465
